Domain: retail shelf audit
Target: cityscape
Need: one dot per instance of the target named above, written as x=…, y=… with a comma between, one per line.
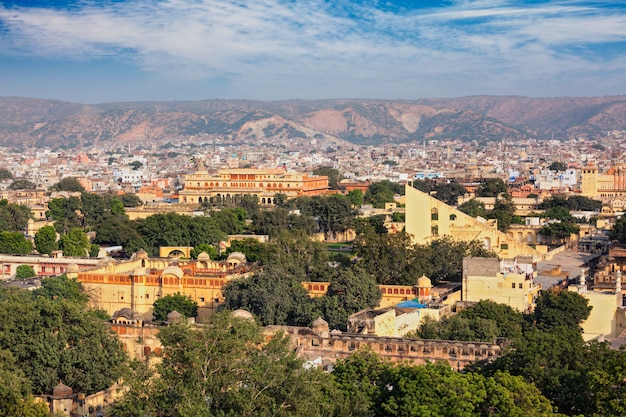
x=215, y=208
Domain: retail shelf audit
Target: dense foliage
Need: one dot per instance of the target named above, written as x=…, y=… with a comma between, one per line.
x=226, y=368
x=55, y=338
x=175, y=302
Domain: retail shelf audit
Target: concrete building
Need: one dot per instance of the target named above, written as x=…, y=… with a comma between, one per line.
x=262, y=183
x=137, y=283
x=609, y=187
x=507, y=282
x=428, y=218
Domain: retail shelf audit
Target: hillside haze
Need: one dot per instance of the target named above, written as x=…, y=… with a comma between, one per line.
x=40, y=122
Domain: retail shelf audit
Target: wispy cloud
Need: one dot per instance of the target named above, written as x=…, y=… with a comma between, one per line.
x=311, y=47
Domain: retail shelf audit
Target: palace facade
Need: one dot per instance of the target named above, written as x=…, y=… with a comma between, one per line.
x=261, y=183
x=608, y=187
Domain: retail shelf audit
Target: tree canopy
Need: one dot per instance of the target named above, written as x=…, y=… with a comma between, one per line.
x=176, y=302
x=59, y=339
x=226, y=368
x=491, y=187
x=67, y=184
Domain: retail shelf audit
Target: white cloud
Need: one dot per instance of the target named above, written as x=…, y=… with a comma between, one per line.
x=295, y=45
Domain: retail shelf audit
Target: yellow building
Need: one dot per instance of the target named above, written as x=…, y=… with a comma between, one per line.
x=609, y=187
x=607, y=318
x=261, y=183
x=507, y=282
x=428, y=218
x=138, y=283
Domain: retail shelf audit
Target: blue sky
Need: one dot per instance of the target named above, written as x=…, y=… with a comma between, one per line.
x=134, y=50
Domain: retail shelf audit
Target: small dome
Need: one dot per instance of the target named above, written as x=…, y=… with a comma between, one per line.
x=173, y=270
x=63, y=391
x=174, y=316
x=203, y=256
x=141, y=254
x=242, y=314
x=320, y=322
x=238, y=256
x=125, y=312
x=72, y=268
x=424, y=281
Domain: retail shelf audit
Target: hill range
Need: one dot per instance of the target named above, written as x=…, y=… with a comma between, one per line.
x=41, y=122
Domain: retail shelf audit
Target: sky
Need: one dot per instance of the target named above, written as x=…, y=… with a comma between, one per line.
x=140, y=50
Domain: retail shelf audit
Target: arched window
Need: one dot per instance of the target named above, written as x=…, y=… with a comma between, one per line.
x=434, y=214
x=452, y=217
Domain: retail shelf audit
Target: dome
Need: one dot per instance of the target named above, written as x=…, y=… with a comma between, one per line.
x=173, y=270
x=125, y=312
x=242, y=314
x=174, y=316
x=141, y=254
x=424, y=281
x=238, y=256
x=61, y=390
x=72, y=268
x=320, y=322
x=203, y=256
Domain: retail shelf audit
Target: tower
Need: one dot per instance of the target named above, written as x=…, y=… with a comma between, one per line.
x=589, y=181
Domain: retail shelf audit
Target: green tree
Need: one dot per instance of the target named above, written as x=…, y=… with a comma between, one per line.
x=491, y=187
x=504, y=212
x=355, y=197
x=252, y=248
x=179, y=302
x=446, y=257
x=206, y=248
x=382, y=192
x=334, y=213
x=24, y=272
x=392, y=258
x=449, y=192
x=136, y=165
x=22, y=184
x=227, y=368
x=75, y=243
x=560, y=309
x=67, y=184
x=559, y=231
x=333, y=174
x=130, y=200
x=13, y=217
x=15, y=243
x=373, y=387
x=558, y=166
x=46, y=240
x=66, y=212
x=618, y=231
x=15, y=391
x=55, y=340
x=62, y=288
x=296, y=254
x=5, y=174
x=351, y=290
x=274, y=222
x=274, y=295
x=473, y=208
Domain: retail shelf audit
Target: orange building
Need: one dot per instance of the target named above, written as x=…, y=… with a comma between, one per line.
x=262, y=183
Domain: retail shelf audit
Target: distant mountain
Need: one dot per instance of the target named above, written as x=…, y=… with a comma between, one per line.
x=38, y=122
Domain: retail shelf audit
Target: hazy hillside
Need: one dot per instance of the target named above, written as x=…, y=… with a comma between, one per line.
x=36, y=122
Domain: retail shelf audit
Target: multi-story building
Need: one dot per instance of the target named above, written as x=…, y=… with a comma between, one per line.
x=509, y=282
x=609, y=187
x=262, y=183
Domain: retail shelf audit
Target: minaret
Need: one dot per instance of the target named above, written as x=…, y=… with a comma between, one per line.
x=618, y=287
